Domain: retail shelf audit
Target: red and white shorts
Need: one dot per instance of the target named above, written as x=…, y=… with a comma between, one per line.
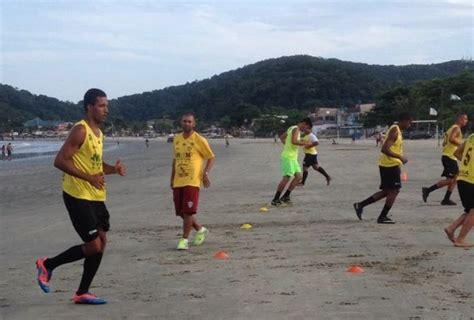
x=186, y=200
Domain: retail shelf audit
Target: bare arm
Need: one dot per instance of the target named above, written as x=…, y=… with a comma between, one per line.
x=65, y=163
x=453, y=137
x=459, y=151
x=391, y=138
x=172, y=173
x=207, y=170
x=295, y=139
x=118, y=168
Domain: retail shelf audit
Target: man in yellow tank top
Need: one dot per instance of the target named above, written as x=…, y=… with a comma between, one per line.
x=390, y=160
x=84, y=193
x=465, y=181
x=311, y=157
x=452, y=140
x=290, y=166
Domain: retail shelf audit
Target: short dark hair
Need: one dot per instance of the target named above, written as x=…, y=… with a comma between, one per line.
x=307, y=121
x=91, y=95
x=405, y=116
x=460, y=114
x=188, y=114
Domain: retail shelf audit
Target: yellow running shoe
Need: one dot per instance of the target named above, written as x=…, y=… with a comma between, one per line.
x=200, y=236
x=183, y=244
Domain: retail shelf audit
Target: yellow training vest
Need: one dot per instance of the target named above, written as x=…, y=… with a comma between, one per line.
x=448, y=147
x=397, y=148
x=466, y=170
x=88, y=159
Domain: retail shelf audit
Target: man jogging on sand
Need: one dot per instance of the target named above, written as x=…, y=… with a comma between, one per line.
x=187, y=175
x=390, y=160
x=465, y=153
x=452, y=140
x=311, y=157
x=84, y=193
x=289, y=160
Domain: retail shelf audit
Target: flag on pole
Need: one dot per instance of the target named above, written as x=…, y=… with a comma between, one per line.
x=454, y=97
x=433, y=112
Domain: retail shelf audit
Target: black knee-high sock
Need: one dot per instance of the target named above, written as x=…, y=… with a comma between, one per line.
x=385, y=211
x=432, y=188
x=447, y=195
x=91, y=265
x=305, y=176
x=70, y=255
x=366, y=202
x=277, y=195
x=323, y=172
x=286, y=194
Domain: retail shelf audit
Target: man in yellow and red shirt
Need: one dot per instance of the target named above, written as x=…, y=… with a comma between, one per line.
x=191, y=150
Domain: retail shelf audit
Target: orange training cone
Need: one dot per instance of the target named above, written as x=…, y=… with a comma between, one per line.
x=221, y=255
x=355, y=269
x=404, y=176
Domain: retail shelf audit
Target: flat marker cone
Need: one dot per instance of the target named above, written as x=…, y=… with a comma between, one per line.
x=246, y=226
x=221, y=255
x=355, y=269
x=404, y=176
x=263, y=209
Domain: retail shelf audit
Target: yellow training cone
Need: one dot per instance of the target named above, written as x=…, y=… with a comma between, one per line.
x=246, y=226
x=263, y=209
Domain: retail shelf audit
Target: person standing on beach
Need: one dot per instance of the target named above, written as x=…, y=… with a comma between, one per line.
x=84, y=194
x=465, y=181
x=289, y=161
x=311, y=157
x=4, y=150
x=452, y=140
x=390, y=160
x=9, y=151
x=191, y=150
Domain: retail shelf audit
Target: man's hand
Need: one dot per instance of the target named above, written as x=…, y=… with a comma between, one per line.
x=97, y=181
x=403, y=159
x=205, y=180
x=120, y=168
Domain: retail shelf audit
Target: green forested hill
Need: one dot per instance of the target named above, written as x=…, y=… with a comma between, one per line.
x=295, y=82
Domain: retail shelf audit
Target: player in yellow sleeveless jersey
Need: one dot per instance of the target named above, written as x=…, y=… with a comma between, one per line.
x=390, y=161
x=311, y=157
x=84, y=193
x=289, y=161
x=465, y=180
x=452, y=140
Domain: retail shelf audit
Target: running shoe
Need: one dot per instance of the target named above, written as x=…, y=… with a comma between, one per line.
x=183, y=244
x=358, y=209
x=424, y=193
x=286, y=200
x=88, y=298
x=448, y=203
x=385, y=220
x=200, y=236
x=276, y=203
x=328, y=180
x=44, y=275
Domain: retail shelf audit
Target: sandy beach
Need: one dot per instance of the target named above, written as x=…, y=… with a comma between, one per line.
x=290, y=265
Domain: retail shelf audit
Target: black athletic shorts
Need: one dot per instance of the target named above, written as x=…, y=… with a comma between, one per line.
x=450, y=166
x=390, y=177
x=87, y=217
x=310, y=160
x=466, y=193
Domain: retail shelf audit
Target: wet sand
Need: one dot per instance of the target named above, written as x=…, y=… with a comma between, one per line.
x=291, y=265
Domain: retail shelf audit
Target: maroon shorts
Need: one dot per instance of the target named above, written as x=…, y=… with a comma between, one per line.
x=186, y=200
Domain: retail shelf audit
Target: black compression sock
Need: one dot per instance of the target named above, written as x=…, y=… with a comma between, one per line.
x=91, y=265
x=305, y=176
x=277, y=195
x=323, y=172
x=385, y=211
x=286, y=194
x=366, y=202
x=432, y=188
x=70, y=255
x=447, y=195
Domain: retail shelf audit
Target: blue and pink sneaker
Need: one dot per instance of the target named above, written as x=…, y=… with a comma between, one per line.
x=88, y=298
x=44, y=275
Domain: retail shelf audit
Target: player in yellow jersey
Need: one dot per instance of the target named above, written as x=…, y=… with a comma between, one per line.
x=452, y=140
x=289, y=160
x=191, y=150
x=465, y=180
x=311, y=157
x=84, y=193
x=390, y=161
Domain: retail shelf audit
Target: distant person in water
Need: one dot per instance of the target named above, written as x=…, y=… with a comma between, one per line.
x=4, y=152
x=9, y=151
x=147, y=143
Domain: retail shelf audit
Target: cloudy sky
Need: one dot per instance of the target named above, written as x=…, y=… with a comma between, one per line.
x=62, y=48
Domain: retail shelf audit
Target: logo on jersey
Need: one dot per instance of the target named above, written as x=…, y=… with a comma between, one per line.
x=190, y=204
